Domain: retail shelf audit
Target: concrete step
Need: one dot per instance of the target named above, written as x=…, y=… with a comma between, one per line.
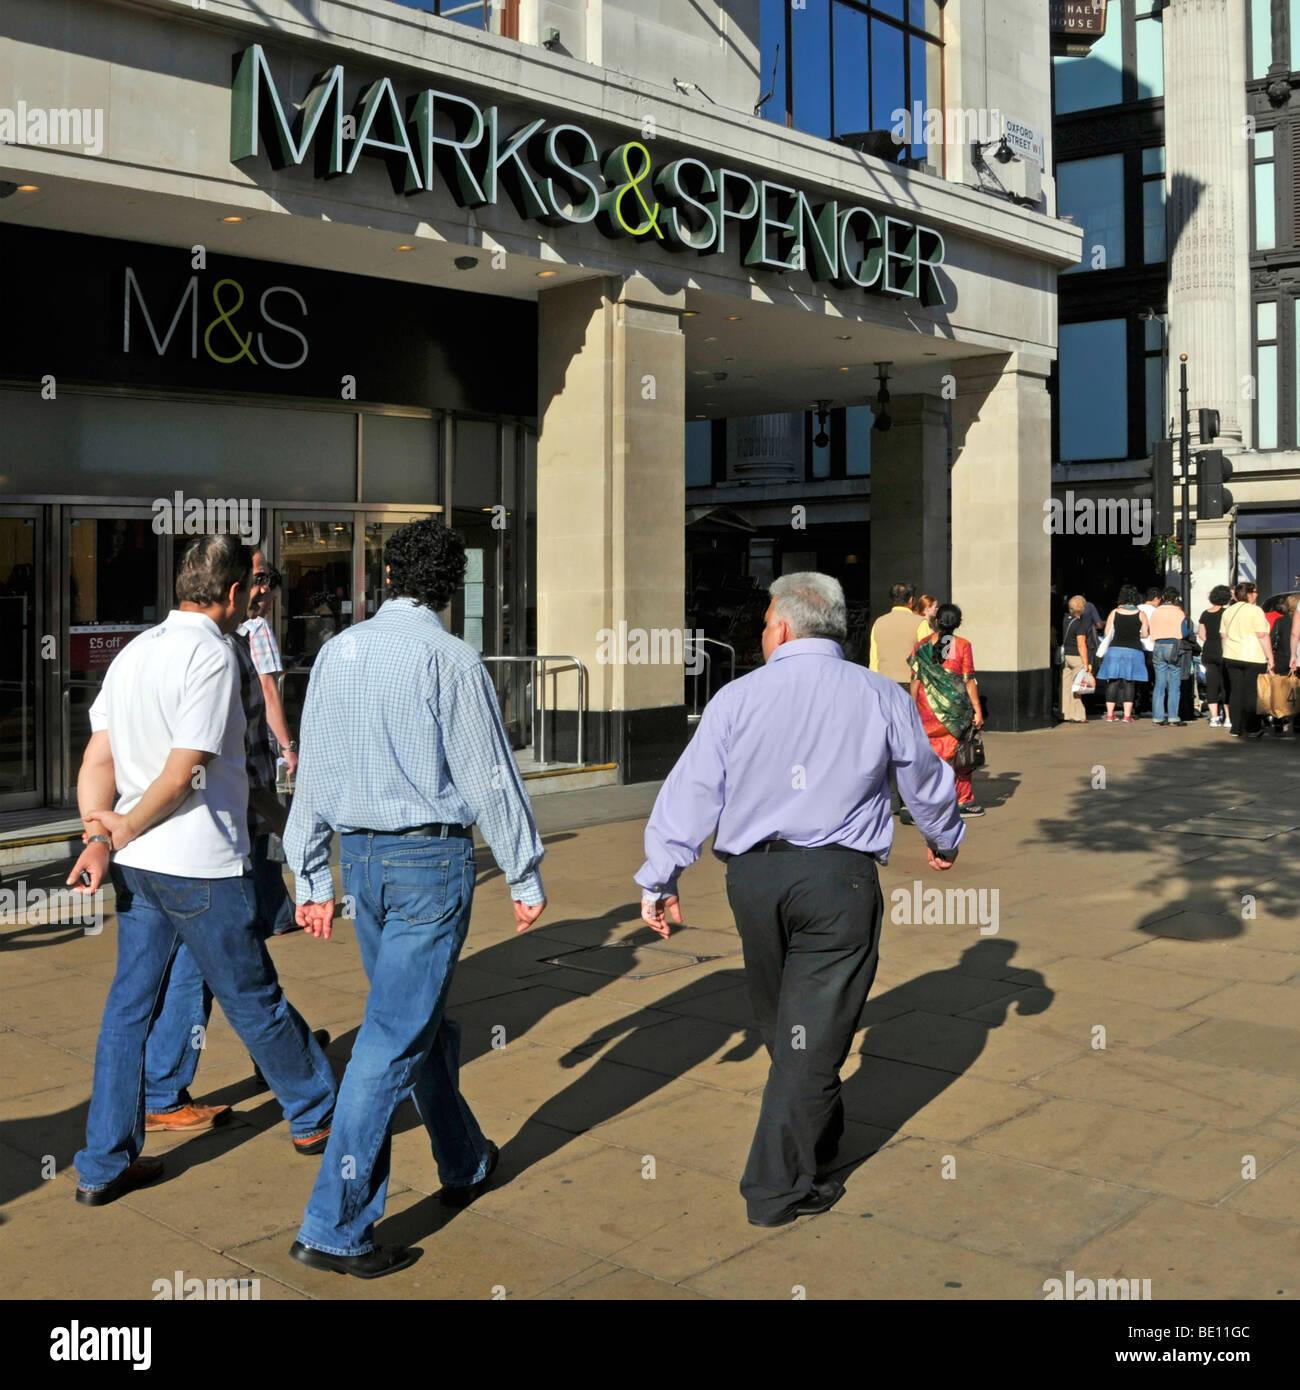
x=51, y=839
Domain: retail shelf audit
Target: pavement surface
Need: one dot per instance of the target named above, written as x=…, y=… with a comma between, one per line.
x=1087, y=1065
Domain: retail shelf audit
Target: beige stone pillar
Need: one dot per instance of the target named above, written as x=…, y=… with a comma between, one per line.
x=1001, y=554
x=1206, y=154
x=1211, y=561
x=611, y=514
x=909, y=500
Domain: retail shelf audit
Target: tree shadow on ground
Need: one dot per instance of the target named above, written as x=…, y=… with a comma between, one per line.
x=1135, y=829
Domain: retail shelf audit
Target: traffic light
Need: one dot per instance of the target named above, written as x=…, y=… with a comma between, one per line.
x=1212, y=471
x=1209, y=425
x=1160, y=489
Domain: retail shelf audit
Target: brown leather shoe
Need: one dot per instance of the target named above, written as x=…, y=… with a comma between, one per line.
x=142, y=1172
x=188, y=1118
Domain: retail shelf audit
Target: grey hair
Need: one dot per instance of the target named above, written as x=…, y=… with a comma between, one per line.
x=1081, y=601
x=811, y=605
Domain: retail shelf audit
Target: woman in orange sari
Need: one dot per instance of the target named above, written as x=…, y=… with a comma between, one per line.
x=952, y=657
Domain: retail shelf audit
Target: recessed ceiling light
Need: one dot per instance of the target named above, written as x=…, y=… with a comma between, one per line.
x=29, y=188
x=712, y=339
x=733, y=318
x=406, y=248
x=701, y=417
x=846, y=369
x=546, y=274
x=844, y=337
x=232, y=219
x=690, y=313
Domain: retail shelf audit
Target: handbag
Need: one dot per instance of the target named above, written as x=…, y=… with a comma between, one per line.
x=1104, y=645
x=969, y=753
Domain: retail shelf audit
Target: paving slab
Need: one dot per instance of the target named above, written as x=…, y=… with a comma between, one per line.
x=1189, y=1251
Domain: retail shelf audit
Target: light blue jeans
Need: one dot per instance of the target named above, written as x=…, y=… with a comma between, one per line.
x=213, y=917
x=411, y=894
x=1166, y=663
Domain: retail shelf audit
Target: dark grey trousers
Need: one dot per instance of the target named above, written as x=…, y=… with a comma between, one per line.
x=809, y=923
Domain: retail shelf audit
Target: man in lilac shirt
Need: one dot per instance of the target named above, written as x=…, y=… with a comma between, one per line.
x=789, y=771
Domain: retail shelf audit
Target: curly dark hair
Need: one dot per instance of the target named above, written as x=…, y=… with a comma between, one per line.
x=1221, y=594
x=1129, y=597
x=426, y=561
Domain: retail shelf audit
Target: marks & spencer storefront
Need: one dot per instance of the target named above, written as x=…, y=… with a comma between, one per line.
x=321, y=410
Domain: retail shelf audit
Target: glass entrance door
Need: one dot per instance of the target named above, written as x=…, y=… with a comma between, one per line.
x=112, y=576
x=22, y=660
x=317, y=568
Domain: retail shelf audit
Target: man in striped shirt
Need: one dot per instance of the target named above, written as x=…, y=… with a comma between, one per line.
x=403, y=750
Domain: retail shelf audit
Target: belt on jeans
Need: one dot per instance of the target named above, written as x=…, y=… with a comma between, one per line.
x=436, y=830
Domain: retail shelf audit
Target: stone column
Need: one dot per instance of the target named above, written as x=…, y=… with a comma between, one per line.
x=611, y=504
x=909, y=500
x=1001, y=553
x=1211, y=561
x=1205, y=156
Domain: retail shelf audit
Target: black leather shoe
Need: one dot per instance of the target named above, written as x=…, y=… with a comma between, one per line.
x=140, y=1174
x=383, y=1259
x=259, y=1081
x=822, y=1198
x=463, y=1196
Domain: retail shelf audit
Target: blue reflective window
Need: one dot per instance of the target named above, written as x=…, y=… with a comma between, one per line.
x=1092, y=192
x=474, y=15
x=1261, y=37
x=1150, y=57
x=851, y=68
x=1093, y=390
x=810, y=47
x=1095, y=80
x=888, y=91
x=852, y=101
x=771, y=46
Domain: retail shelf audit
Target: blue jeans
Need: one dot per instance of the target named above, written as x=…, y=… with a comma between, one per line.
x=1166, y=662
x=176, y=1036
x=412, y=896
x=214, y=919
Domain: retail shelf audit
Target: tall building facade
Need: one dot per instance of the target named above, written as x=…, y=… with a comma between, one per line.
x=346, y=263
x=1178, y=153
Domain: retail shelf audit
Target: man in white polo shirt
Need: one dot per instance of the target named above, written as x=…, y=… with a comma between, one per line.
x=168, y=729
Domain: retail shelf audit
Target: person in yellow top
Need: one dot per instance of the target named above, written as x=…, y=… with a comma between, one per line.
x=893, y=635
x=927, y=606
x=1247, y=654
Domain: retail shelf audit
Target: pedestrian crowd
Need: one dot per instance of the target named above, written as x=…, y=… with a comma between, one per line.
x=403, y=751
x=1243, y=657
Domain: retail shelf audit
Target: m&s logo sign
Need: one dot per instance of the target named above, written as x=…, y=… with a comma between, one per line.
x=230, y=330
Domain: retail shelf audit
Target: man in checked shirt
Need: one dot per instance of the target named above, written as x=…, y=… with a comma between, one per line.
x=402, y=750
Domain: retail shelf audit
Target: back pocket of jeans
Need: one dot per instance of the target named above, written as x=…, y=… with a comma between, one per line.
x=181, y=898
x=417, y=892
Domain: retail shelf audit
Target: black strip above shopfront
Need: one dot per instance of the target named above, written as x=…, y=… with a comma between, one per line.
x=86, y=310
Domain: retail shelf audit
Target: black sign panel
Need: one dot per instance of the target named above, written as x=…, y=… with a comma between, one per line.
x=89, y=310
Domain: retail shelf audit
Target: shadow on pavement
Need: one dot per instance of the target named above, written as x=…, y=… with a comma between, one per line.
x=881, y=1093
x=1194, y=887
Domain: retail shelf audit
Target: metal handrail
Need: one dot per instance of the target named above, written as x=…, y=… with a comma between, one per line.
x=540, y=661
x=688, y=650
x=537, y=730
